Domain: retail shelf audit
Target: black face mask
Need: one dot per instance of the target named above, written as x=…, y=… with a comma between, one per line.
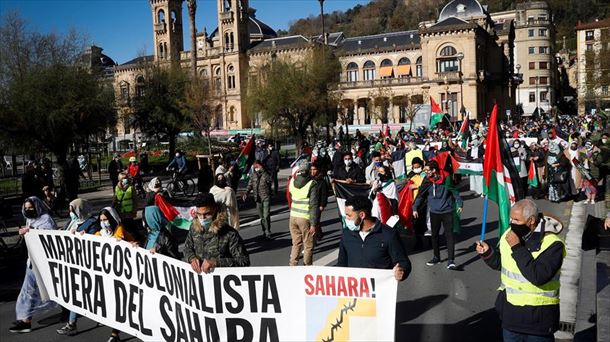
x=520, y=229
x=221, y=183
x=30, y=213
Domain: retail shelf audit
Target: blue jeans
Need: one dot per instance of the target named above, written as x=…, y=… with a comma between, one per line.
x=511, y=336
x=72, y=317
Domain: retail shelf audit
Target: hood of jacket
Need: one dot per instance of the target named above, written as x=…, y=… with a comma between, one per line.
x=219, y=221
x=43, y=220
x=82, y=209
x=113, y=213
x=300, y=181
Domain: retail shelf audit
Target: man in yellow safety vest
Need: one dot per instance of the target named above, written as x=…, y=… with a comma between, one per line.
x=530, y=256
x=304, y=214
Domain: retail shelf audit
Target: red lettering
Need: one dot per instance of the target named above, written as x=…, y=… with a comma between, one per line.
x=352, y=285
x=320, y=286
x=330, y=285
x=341, y=290
x=309, y=289
x=364, y=288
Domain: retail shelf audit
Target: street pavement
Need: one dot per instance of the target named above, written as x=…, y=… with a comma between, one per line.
x=433, y=304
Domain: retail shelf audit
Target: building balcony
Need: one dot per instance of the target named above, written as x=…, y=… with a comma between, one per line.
x=533, y=23
x=226, y=16
x=380, y=83
x=160, y=28
x=447, y=77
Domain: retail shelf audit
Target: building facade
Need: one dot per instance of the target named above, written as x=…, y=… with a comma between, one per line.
x=466, y=60
x=593, y=65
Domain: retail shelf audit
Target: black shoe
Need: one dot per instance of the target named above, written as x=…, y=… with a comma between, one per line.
x=268, y=235
x=20, y=327
x=451, y=265
x=433, y=262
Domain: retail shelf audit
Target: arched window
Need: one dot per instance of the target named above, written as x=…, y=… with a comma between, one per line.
x=369, y=71
x=386, y=70
x=419, y=70
x=217, y=81
x=218, y=122
x=232, y=114
x=160, y=17
x=124, y=90
x=447, y=60
x=448, y=51
x=231, y=77
x=352, y=72
x=404, y=61
x=161, y=51
x=203, y=73
x=404, y=68
x=140, y=86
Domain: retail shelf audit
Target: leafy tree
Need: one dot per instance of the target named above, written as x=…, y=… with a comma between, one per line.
x=294, y=96
x=159, y=111
x=50, y=98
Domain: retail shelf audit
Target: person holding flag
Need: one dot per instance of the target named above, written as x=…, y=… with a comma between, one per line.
x=436, y=115
x=530, y=256
x=442, y=202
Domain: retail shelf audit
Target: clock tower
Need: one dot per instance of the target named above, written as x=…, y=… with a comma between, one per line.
x=167, y=29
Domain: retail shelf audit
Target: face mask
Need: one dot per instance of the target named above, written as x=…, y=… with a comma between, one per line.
x=73, y=216
x=351, y=225
x=258, y=170
x=417, y=170
x=323, y=153
x=377, y=164
x=516, y=145
x=30, y=213
x=125, y=182
x=105, y=225
x=221, y=183
x=520, y=229
x=348, y=162
x=604, y=141
x=205, y=222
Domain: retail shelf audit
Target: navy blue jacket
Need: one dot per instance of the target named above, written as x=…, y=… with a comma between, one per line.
x=441, y=198
x=381, y=248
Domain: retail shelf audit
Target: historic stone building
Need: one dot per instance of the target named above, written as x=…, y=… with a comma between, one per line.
x=593, y=65
x=468, y=59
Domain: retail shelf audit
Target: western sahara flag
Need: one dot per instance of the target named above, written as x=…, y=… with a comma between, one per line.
x=246, y=157
x=180, y=217
x=465, y=166
x=501, y=180
x=436, y=115
x=343, y=191
x=465, y=131
x=532, y=176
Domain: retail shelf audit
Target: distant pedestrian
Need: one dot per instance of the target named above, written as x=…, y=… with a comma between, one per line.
x=260, y=186
x=114, y=168
x=272, y=165
x=303, y=214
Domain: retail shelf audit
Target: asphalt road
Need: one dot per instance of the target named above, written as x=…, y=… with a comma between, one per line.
x=434, y=304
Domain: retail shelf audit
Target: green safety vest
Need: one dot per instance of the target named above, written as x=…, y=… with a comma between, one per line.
x=125, y=199
x=300, y=200
x=519, y=290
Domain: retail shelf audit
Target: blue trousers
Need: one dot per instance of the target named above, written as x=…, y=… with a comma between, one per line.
x=511, y=336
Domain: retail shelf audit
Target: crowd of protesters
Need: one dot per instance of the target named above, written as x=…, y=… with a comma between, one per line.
x=569, y=154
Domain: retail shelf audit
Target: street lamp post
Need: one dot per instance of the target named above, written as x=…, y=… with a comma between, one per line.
x=460, y=56
x=322, y=18
x=518, y=67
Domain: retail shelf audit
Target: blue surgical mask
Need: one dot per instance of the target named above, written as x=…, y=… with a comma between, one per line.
x=205, y=222
x=73, y=216
x=125, y=182
x=105, y=224
x=351, y=225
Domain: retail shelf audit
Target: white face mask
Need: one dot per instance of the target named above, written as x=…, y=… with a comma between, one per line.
x=417, y=170
x=348, y=162
x=604, y=141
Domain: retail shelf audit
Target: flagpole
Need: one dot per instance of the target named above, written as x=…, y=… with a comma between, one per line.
x=485, y=205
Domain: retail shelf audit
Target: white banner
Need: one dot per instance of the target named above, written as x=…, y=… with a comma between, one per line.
x=156, y=298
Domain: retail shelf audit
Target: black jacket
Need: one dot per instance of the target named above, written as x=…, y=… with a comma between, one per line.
x=166, y=245
x=381, y=249
x=534, y=320
x=355, y=173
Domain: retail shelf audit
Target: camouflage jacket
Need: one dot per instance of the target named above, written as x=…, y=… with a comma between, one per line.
x=220, y=242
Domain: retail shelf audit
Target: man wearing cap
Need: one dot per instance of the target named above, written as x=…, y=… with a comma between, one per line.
x=304, y=213
x=211, y=242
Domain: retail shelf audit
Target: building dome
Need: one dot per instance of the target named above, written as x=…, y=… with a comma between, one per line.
x=462, y=9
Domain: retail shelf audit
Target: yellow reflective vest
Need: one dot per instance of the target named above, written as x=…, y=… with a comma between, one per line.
x=300, y=200
x=124, y=199
x=519, y=290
